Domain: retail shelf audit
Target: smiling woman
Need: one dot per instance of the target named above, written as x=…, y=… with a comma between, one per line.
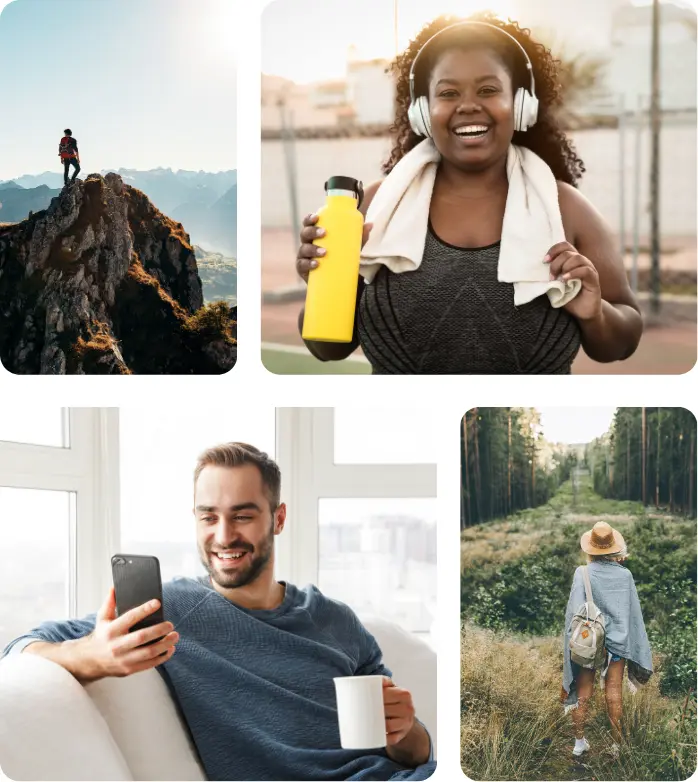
x=479, y=254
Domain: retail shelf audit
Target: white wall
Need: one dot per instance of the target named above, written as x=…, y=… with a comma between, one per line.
x=317, y=160
x=300, y=109
x=587, y=25
x=599, y=149
x=372, y=92
x=361, y=158
x=629, y=68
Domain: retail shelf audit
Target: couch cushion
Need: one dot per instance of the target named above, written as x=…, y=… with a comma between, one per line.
x=146, y=725
x=49, y=727
x=413, y=663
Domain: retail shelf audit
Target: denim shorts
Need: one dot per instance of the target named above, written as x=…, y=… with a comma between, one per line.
x=614, y=657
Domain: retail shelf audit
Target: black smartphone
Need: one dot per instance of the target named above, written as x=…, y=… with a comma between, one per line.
x=137, y=581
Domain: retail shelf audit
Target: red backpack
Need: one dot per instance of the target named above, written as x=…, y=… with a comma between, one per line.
x=65, y=148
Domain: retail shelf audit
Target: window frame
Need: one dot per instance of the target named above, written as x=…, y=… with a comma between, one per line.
x=305, y=455
x=88, y=468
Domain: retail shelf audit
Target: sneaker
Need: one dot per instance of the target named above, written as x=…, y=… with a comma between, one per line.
x=581, y=750
x=614, y=751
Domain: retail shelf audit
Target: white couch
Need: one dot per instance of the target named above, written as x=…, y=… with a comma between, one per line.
x=52, y=728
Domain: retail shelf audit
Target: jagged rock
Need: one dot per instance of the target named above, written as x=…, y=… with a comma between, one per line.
x=115, y=182
x=102, y=282
x=220, y=352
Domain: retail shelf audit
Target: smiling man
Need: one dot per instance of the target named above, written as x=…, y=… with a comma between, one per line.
x=249, y=659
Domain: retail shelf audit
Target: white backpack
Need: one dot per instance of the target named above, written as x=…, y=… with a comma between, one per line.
x=588, y=631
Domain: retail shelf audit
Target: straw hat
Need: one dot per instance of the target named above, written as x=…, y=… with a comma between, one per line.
x=602, y=539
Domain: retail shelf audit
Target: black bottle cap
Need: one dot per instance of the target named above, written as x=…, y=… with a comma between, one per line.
x=342, y=183
x=345, y=183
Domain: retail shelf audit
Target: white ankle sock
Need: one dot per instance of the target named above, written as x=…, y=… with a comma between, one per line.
x=579, y=744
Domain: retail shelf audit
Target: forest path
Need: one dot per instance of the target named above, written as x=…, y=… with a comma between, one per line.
x=523, y=532
x=523, y=732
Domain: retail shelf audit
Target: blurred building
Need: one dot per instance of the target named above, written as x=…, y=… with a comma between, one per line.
x=585, y=27
x=615, y=32
x=327, y=94
x=305, y=105
x=629, y=62
x=370, y=90
x=364, y=97
x=405, y=537
x=382, y=564
x=619, y=33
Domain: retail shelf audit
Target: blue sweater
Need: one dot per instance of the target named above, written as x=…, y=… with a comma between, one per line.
x=256, y=687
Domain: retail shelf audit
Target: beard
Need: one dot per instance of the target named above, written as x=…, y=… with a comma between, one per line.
x=255, y=562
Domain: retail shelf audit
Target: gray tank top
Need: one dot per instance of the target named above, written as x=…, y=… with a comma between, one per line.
x=452, y=316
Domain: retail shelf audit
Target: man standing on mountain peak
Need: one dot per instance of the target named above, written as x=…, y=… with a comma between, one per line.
x=68, y=152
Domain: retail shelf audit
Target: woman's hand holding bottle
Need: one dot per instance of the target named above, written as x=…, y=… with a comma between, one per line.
x=309, y=254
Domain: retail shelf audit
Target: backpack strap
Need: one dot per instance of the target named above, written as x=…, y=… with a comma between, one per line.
x=587, y=584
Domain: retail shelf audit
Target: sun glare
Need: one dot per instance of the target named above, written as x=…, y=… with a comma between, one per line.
x=412, y=16
x=218, y=29
x=467, y=7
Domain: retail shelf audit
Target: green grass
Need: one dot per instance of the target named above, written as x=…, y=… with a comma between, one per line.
x=282, y=362
x=588, y=502
x=515, y=581
x=513, y=726
x=678, y=288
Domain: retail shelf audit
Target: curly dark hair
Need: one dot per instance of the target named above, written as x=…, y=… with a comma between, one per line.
x=546, y=138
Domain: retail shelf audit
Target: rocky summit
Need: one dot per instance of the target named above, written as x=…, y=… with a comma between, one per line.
x=101, y=282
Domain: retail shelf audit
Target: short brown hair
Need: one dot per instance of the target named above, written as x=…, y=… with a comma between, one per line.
x=237, y=454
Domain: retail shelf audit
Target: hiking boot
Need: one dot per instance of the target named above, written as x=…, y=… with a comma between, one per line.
x=580, y=750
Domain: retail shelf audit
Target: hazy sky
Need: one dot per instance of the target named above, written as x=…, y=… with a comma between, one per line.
x=575, y=424
x=141, y=83
x=307, y=40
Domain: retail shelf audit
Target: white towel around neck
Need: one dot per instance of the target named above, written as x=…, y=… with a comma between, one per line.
x=532, y=223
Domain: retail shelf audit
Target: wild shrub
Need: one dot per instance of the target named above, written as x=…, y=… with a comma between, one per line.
x=529, y=595
x=213, y=320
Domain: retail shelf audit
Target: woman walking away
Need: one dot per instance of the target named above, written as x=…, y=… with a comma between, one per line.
x=604, y=629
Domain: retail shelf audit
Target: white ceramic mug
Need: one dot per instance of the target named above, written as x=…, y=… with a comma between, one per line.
x=360, y=711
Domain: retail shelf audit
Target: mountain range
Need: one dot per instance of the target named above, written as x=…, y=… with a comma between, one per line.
x=16, y=202
x=218, y=276
x=204, y=202
x=102, y=282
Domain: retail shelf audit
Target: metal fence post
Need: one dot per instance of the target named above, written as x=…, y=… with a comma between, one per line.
x=637, y=183
x=290, y=160
x=621, y=156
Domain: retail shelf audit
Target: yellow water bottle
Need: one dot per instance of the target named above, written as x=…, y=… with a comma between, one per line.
x=330, y=301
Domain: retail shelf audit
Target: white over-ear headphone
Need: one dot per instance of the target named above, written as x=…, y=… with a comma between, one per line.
x=525, y=102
